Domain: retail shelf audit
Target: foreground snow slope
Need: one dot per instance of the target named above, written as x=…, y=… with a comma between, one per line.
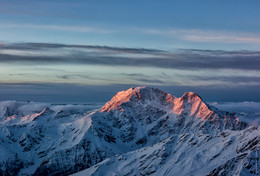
x=188, y=154
x=140, y=131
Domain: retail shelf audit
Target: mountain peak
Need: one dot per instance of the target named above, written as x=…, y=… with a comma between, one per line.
x=138, y=95
x=190, y=94
x=45, y=112
x=191, y=97
x=189, y=104
x=193, y=104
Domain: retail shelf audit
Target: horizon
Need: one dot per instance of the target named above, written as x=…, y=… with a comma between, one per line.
x=87, y=51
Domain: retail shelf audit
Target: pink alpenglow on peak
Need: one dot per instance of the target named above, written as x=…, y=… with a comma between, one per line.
x=118, y=99
x=190, y=103
x=144, y=101
x=193, y=105
x=142, y=95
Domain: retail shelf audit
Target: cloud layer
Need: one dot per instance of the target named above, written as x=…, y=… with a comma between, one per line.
x=28, y=53
x=246, y=106
x=31, y=70
x=247, y=111
x=199, y=35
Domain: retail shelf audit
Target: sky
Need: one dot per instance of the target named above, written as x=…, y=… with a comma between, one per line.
x=80, y=51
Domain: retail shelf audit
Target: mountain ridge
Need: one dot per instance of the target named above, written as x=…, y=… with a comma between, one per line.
x=63, y=140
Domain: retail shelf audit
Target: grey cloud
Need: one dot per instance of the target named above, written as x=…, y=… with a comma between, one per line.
x=23, y=74
x=40, y=46
x=132, y=74
x=178, y=59
x=145, y=79
x=229, y=79
x=246, y=106
x=29, y=46
x=81, y=76
x=151, y=81
x=248, y=111
x=64, y=77
x=166, y=75
x=71, y=76
x=240, y=79
x=220, y=52
x=7, y=58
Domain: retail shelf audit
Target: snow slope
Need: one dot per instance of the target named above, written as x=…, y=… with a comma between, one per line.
x=140, y=131
x=188, y=154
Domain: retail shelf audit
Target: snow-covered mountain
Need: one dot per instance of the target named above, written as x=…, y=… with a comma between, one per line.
x=140, y=131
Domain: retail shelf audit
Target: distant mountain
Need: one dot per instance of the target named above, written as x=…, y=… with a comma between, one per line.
x=140, y=131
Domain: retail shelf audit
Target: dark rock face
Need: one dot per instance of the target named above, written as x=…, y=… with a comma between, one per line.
x=249, y=162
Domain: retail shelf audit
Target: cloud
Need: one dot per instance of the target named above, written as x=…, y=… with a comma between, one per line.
x=133, y=57
x=246, y=106
x=132, y=74
x=199, y=35
x=43, y=46
x=247, y=111
x=166, y=75
x=227, y=79
x=104, y=65
x=23, y=74
x=8, y=108
x=21, y=109
x=72, y=76
x=83, y=29
x=151, y=81
x=81, y=76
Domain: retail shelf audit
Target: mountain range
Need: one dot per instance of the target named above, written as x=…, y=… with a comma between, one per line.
x=140, y=131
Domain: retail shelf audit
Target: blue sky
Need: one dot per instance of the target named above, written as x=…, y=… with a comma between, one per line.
x=228, y=25
x=211, y=47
